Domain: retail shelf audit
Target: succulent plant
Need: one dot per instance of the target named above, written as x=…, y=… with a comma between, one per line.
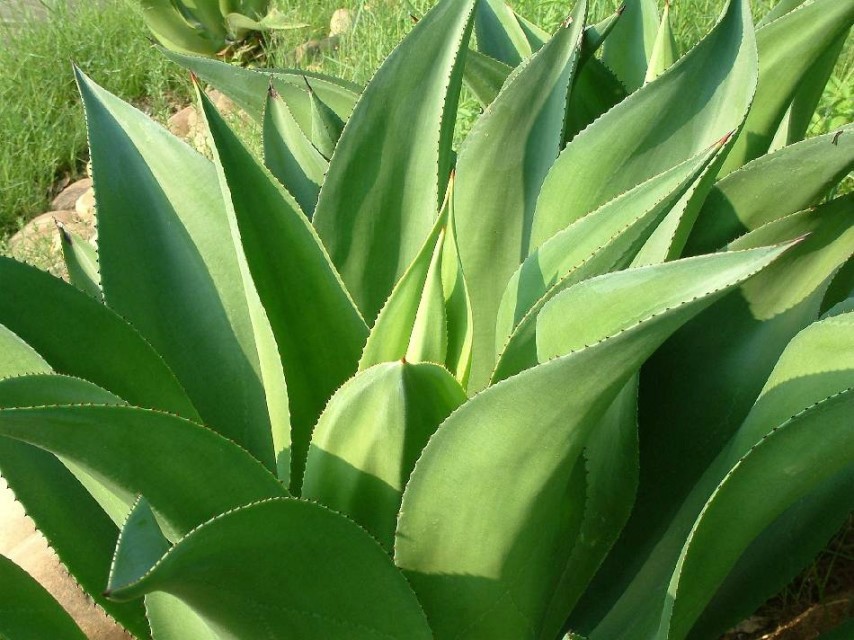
x=590, y=372
x=209, y=27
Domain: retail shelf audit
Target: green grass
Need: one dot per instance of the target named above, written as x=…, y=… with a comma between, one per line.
x=41, y=121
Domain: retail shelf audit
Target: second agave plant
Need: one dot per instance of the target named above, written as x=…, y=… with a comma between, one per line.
x=591, y=372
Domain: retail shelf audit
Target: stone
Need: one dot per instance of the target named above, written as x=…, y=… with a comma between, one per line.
x=68, y=197
x=182, y=122
x=26, y=547
x=85, y=207
x=341, y=22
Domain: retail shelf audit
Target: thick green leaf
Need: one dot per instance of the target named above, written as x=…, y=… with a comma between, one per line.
x=481, y=572
x=630, y=46
x=611, y=457
x=392, y=163
x=494, y=201
x=797, y=120
x=596, y=34
x=457, y=304
x=788, y=49
x=698, y=101
x=499, y=34
x=326, y=126
x=317, y=328
x=189, y=473
x=778, y=11
x=370, y=435
x=799, y=455
x=74, y=524
x=18, y=357
x=51, y=389
x=248, y=87
x=81, y=260
x=290, y=155
x=724, y=356
x=818, y=363
x=402, y=329
x=165, y=266
x=663, y=53
x=315, y=575
x=596, y=91
x=28, y=611
x=95, y=343
x=602, y=241
x=772, y=187
x=485, y=76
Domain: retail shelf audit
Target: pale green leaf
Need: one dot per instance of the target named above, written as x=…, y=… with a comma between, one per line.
x=81, y=260
x=248, y=87
x=317, y=328
x=397, y=332
x=316, y=575
x=663, y=53
x=605, y=240
x=772, y=187
x=697, y=102
x=482, y=572
x=392, y=163
x=494, y=201
x=788, y=49
x=18, y=357
x=326, y=126
x=630, y=46
x=370, y=435
x=166, y=268
x=484, y=76
x=95, y=343
x=290, y=155
x=724, y=356
x=189, y=473
x=499, y=34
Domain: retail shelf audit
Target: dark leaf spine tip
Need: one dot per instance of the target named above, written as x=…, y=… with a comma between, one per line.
x=567, y=23
x=271, y=90
x=307, y=84
x=726, y=138
x=415, y=19
x=621, y=9
x=836, y=136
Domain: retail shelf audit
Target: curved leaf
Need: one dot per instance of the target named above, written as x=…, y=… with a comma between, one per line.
x=178, y=465
x=605, y=240
x=499, y=34
x=797, y=456
x=317, y=575
x=494, y=202
x=290, y=155
x=370, y=435
x=788, y=48
x=164, y=266
x=725, y=356
x=248, y=87
x=630, y=46
x=81, y=260
x=481, y=572
x=28, y=611
x=317, y=327
x=95, y=343
x=18, y=357
x=484, y=76
x=698, y=101
x=765, y=190
x=391, y=166
x=663, y=53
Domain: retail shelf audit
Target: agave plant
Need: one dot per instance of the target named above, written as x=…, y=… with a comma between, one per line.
x=591, y=372
x=209, y=27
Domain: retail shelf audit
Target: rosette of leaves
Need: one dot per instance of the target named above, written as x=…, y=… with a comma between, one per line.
x=212, y=27
x=591, y=372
